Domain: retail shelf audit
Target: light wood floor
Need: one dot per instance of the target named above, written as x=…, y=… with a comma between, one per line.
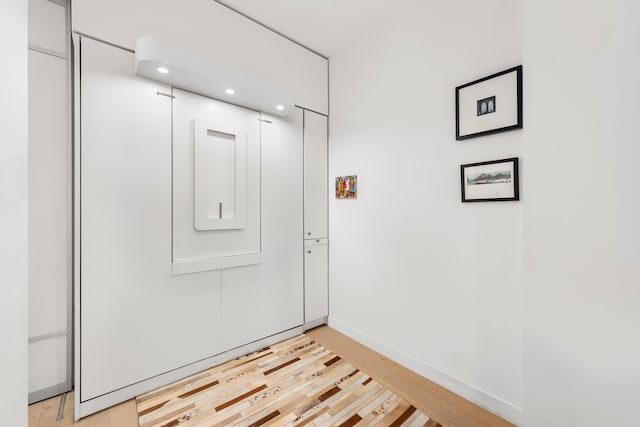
x=43, y=414
x=437, y=402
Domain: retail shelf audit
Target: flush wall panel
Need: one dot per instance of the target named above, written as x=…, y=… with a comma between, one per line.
x=316, y=280
x=49, y=202
x=139, y=322
x=48, y=26
x=270, y=293
x=137, y=319
x=315, y=176
x=49, y=281
x=48, y=363
x=195, y=118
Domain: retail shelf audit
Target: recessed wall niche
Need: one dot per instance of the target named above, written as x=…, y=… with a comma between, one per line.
x=216, y=184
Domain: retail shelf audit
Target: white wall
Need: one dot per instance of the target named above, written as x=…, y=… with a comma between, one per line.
x=13, y=213
x=211, y=29
x=582, y=236
x=438, y=283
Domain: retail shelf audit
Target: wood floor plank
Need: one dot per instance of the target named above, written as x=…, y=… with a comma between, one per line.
x=100, y=419
x=43, y=414
x=123, y=415
x=34, y=413
x=67, y=415
x=49, y=412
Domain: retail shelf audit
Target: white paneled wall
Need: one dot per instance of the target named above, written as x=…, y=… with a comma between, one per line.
x=49, y=201
x=145, y=318
x=270, y=293
x=140, y=323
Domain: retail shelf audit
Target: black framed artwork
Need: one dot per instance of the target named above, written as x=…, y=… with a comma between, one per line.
x=489, y=105
x=492, y=181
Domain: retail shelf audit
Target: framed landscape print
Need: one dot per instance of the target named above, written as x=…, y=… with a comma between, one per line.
x=489, y=105
x=493, y=181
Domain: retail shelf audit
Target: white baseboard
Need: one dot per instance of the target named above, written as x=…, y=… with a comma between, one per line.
x=480, y=397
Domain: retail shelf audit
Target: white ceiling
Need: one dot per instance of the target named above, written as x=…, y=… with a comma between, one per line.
x=324, y=26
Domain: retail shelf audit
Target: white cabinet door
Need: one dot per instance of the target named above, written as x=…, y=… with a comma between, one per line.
x=316, y=280
x=49, y=228
x=315, y=175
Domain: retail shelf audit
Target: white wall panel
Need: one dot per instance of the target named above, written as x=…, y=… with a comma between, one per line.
x=48, y=363
x=316, y=280
x=49, y=201
x=582, y=234
x=211, y=29
x=137, y=319
x=316, y=182
x=48, y=26
x=261, y=300
x=14, y=213
x=190, y=243
x=49, y=163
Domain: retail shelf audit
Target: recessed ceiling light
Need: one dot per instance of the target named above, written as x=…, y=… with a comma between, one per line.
x=162, y=70
x=279, y=107
x=230, y=91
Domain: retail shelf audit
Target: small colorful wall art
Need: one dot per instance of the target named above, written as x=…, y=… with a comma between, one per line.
x=347, y=187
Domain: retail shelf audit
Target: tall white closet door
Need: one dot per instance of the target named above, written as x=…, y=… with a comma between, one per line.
x=315, y=175
x=316, y=192
x=49, y=228
x=50, y=332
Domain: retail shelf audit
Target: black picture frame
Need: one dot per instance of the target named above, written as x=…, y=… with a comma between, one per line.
x=470, y=96
x=480, y=182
